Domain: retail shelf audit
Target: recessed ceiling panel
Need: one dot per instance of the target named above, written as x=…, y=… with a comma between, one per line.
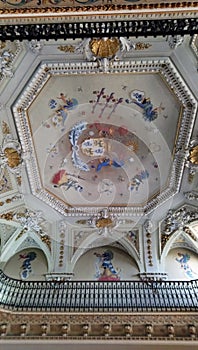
x=101, y=139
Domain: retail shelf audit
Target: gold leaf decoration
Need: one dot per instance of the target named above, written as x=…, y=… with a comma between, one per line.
x=103, y=222
x=104, y=47
x=142, y=46
x=132, y=145
x=13, y=157
x=67, y=48
x=5, y=128
x=81, y=222
x=2, y=45
x=7, y=216
x=194, y=155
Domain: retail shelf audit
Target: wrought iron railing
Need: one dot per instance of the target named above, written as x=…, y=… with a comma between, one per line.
x=73, y=30
x=91, y=296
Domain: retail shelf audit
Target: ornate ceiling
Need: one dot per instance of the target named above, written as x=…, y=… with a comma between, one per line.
x=89, y=136
x=98, y=140
x=93, y=124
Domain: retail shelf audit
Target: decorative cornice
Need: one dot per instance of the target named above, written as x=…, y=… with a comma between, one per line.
x=91, y=6
x=64, y=327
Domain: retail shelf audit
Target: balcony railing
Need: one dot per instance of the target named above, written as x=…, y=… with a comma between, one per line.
x=91, y=296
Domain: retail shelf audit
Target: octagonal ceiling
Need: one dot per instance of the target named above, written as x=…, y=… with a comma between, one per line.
x=95, y=139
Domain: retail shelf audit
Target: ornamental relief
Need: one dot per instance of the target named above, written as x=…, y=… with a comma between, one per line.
x=179, y=219
x=51, y=318
x=174, y=327
x=10, y=4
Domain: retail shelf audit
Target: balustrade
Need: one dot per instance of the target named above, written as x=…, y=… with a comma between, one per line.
x=89, y=296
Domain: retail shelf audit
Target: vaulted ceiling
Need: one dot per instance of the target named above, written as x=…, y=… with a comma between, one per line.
x=99, y=134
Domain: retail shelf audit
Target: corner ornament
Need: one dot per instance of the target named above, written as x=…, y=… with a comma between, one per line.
x=178, y=220
x=192, y=158
x=10, y=153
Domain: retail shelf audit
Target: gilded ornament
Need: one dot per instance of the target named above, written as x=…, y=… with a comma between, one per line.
x=21, y=234
x=142, y=46
x=103, y=222
x=8, y=200
x=81, y=222
x=104, y=48
x=7, y=216
x=194, y=155
x=13, y=157
x=67, y=48
x=2, y=44
x=46, y=239
x=132, y=145
x=19, y=180
x=5, y=128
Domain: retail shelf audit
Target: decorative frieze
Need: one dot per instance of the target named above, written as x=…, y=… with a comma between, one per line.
x=172, y=327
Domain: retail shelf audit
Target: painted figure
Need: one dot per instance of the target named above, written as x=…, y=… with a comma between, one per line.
x=108, y=271
x=149, y=112
x=61, y=111
x=59, y=118
x=183, y=260
x=61, y=179
x=26, y=266
x=108, y=162
x=137, y=180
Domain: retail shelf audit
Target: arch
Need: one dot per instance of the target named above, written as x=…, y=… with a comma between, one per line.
x=106, y=263
x=175, y=235
x=27, y=264
x=13, y=246
x=181, y=263
x=87, y=244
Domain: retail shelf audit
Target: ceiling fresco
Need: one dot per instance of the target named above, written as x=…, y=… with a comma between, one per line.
x=92, y=146
x=101, y=139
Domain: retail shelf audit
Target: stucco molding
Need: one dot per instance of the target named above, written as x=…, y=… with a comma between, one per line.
x=174, y=326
